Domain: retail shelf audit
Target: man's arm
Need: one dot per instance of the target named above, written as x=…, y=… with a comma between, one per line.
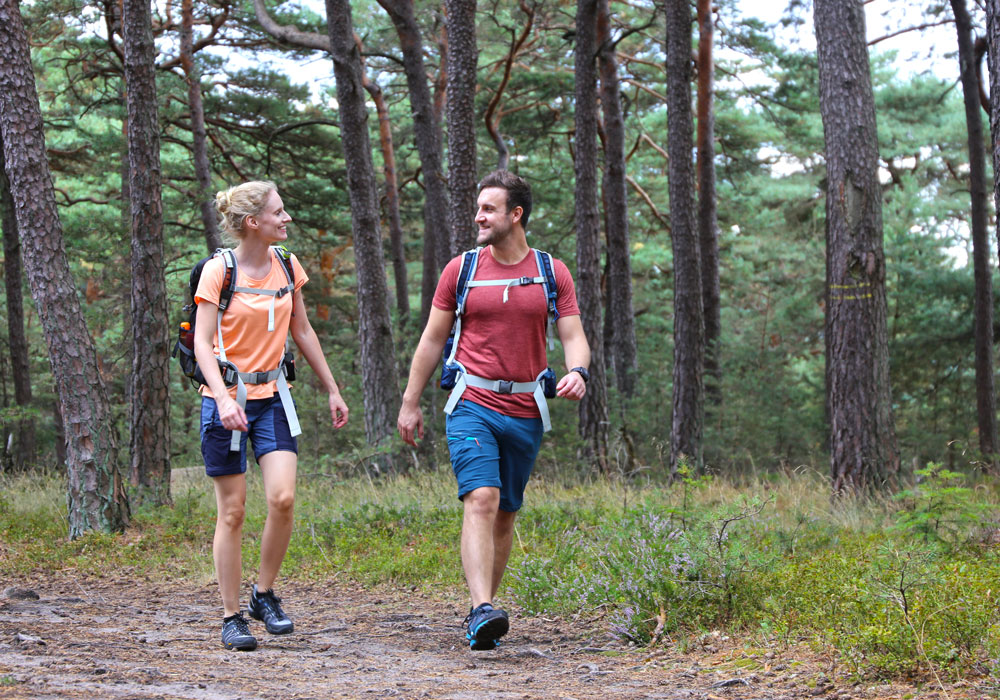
x=411, y=421
x=576, y=351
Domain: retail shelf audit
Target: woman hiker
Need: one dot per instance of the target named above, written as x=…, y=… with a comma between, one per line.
x=240, y=351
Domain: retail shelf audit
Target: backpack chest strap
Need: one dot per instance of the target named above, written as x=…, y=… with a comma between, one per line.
x=506, y=284
x=273, y=293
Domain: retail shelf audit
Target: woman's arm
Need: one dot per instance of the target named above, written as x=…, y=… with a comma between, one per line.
x=230, y=413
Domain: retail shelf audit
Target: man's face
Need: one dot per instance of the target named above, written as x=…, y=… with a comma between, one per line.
x=494, y=221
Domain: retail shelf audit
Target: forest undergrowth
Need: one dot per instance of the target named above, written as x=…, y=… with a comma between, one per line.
x=892, y=586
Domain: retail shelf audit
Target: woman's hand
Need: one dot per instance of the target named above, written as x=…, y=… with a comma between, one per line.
x=231, y=415
x=338, y=410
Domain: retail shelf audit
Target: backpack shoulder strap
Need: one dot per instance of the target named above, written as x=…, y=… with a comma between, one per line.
x=470, y=261
x=546, y=272
x=285, y=258
x=229, y=277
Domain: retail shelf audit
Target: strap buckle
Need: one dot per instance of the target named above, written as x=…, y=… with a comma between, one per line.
x=504, y=386
x=229, y=372
x=525, y=280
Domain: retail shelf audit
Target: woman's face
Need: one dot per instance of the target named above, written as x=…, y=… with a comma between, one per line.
x=270, y=223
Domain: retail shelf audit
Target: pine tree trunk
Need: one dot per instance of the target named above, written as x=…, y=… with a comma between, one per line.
x=985, y=389
x=594, y=407
x=427, y=135
x=622, y=350
x=378, y=357
x=461, y=111
x=96, y=496
x=993, y=56
x=199, y=136
x=23, y=453
x=864, y=455
x=149, y=390
x=986, y=408
x=391, y=197
x=708, y=224
x=689, y=325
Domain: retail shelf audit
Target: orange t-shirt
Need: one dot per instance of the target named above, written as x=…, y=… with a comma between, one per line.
x=248, y=343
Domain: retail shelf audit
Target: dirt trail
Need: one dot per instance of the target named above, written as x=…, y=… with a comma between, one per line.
x=122, y=638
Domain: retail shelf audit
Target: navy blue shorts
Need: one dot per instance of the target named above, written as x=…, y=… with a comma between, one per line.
x=269, y=432
x=490, y=449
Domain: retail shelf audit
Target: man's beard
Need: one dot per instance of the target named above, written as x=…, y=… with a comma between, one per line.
x=494, y=236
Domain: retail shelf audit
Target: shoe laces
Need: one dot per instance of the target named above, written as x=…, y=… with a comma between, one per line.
x=484, y=607
x=271, y=601
x=240, y=622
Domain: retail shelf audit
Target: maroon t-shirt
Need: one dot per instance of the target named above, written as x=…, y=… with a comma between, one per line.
x=505, y=340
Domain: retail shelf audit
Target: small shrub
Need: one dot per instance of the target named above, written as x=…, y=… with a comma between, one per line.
x=938, y=508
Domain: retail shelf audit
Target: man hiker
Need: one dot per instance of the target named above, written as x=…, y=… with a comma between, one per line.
x=496, y=304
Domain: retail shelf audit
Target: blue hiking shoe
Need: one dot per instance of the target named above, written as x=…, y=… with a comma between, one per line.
x=485, y=625
x=236, y=633
x=266, y=607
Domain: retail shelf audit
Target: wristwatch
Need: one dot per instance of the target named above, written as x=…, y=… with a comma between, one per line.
x=582, y=371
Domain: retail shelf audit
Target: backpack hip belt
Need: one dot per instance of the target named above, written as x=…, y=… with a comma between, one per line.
x=501, y=386
x=281, y=384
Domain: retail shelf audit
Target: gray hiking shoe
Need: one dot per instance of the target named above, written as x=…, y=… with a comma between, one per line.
x=236, y=633
x=266, y=606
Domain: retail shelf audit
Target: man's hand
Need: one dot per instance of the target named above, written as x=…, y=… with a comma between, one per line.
x=410, y=423
x=571, y=387
x=338, y=410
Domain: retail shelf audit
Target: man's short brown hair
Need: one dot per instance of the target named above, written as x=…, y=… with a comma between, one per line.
x=518, y=191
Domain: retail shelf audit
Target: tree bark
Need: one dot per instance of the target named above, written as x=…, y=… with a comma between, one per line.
x=290, y=35
x=199, y=137
x=708, y=224
x=982, y=270
x=96, y=497
x=594, y=406
x=864, y=455
x=620, y=315
x=993, y=55
x=461, y=114
x=427, y=135
x=149, y=390
x=689, y=325
x=391, y=191
x=23, y=452
x=378, y=356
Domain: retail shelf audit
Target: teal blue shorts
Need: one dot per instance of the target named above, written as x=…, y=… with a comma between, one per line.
x=490, y=449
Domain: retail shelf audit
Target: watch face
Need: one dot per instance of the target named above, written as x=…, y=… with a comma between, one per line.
x=582, y=372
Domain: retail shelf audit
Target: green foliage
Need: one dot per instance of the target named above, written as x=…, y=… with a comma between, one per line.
x=884, y=601
x=658, y=574
x=938, y=508
x=659, y=562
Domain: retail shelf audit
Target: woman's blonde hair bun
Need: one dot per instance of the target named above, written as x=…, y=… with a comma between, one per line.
x=237, y=203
